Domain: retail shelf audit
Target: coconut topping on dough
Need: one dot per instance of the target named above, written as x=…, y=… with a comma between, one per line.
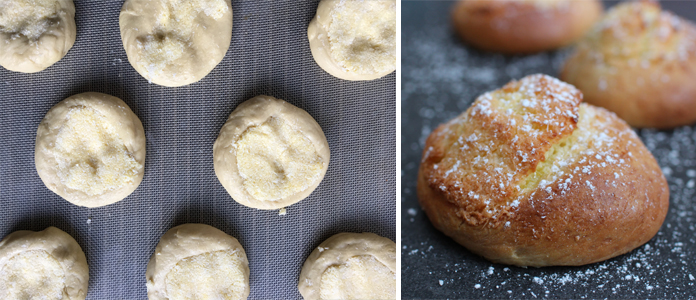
x=362, y=35
x=276, y=160
x=173, y=30
x=212, y=275
x=32, y=274
x=532, y=136
x=90, y=155
x=29, y=18
x=360, y=277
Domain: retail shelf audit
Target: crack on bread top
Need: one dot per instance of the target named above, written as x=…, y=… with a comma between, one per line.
x=532, y=136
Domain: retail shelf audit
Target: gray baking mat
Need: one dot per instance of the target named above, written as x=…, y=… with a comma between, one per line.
x=441, y=77
x=269, y=55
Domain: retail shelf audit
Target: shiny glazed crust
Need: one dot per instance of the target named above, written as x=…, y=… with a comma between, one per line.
x=528, y=176
x=516, y=27
x=639, y=62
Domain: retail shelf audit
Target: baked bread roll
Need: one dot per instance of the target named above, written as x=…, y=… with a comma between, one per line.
x=523, y=26
x=529, y=176
x=639, y=62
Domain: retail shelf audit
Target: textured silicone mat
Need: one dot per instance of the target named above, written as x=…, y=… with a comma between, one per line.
x=441, y=77
x=269, y=55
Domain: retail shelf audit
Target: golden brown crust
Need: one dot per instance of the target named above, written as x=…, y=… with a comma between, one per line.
x=639, y=62
x=524, y=26
x=582, y=190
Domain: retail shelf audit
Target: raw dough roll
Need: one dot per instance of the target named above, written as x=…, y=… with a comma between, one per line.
x=48, y=264
x=523, y=26
x=354, y=40
x=175, y=42
x=529, y=176
x=90, y=150
x=270, y=154
x=197, y=261
x=35, y=34
x=350, y=266
x=639, y=62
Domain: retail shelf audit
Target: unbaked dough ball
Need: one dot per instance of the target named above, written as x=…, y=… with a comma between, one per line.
x=354, y=40
x=47, y=265
x=197, y=261
x=34, y=34
x=350, y=266
x=270, y=154
x=90, y=149
x=175, y=42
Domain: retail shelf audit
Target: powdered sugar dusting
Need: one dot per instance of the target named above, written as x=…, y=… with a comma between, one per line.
x=434, y=64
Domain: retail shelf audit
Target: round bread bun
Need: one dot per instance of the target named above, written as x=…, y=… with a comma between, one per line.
x=639, y=62
x=270, y=154
x=529, y=176
x=350, y=266
x=35, y=34
x=90, y=150
x=198, y=261
x=523, y=26
x=175, y=42
x=48, y=264
x=354, y=40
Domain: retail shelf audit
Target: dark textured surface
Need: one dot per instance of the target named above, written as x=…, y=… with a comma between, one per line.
x=441, y=77
x=269, y=55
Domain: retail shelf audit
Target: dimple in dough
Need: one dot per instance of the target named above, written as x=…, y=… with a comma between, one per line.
x=276, y=161
x=354, y=40
x=175, y=42
x=90, y=149
x=35, y=34
x=42, y=265
x=270, y=154
x=350, y=266
x=197, y=261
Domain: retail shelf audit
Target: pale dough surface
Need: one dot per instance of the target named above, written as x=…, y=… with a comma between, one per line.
x=270, y=154
x=90, y=149
x=350, y=266
x=35, y=34
x=175, y=42
x=354, y=39
x=197, y=261
x=48, y=264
